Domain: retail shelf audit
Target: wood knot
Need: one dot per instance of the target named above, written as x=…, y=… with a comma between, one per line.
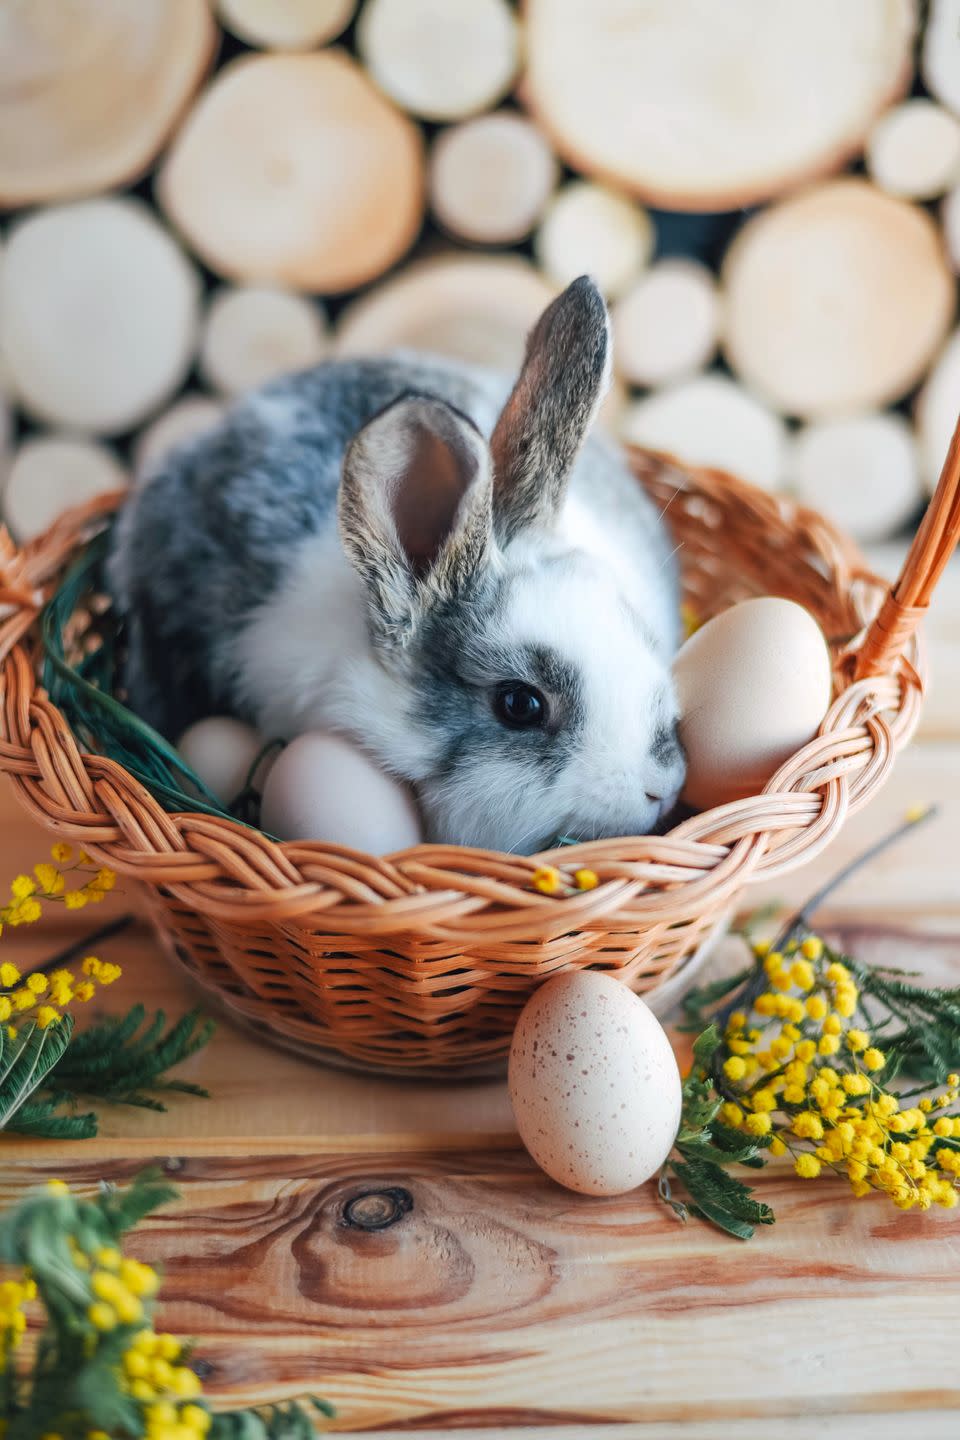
x=377, y=1209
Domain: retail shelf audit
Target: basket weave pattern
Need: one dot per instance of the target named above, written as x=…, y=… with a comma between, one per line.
x=421, y=962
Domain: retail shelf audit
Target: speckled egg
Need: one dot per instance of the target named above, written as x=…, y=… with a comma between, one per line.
x=594, y=1084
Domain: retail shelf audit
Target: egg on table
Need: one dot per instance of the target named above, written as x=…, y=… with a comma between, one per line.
x=594, y=1084
x=221, y=752
x=323, y=788
x=754, y=684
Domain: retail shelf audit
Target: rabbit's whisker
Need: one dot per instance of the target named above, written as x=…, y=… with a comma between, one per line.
x=669, y=502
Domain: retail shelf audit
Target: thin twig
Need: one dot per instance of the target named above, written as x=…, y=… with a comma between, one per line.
x=743, y=999
x=802, y=918
x=83, y=946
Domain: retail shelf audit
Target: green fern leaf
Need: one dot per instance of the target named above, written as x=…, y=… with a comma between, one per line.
x=27, y=1061
x=39, y=1118
x=722, y=1199
x=112, y=1062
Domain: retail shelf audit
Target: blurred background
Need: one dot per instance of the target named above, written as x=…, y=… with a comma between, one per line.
x=200, y=196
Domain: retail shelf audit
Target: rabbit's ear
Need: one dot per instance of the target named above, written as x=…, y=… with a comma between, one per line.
x=565, y=376
x=415, y=509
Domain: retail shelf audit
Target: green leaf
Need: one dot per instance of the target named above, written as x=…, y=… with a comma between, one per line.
x=729, y=1139
x=700, y=1147
x=113, y=1062
x=722, y=1199
x=96, y=1394
x=44, y=1068
x=698, y=1114
x=41, y=1120
x=940, y=1044
x=707, y=1210
x=120, y=1028
x=705, y=1047
x=124, y=1209
x=274, y=1422
x=27, y=1062
x=729, y=1192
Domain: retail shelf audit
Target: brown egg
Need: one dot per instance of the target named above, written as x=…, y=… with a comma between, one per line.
x=754, y=685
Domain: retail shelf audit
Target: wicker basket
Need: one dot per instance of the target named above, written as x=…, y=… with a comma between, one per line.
x=421, y=962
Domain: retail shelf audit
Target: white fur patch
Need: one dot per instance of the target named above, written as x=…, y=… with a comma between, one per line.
x=577, y=610
x=306, y=662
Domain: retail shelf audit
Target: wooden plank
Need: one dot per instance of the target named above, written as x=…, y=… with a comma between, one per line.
x=797, y=1427
x=819, y=1427
x=469, y=1306
x=498, y=1300
x=470, y=1309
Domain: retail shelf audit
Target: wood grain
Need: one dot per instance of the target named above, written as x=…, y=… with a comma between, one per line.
x=469, y=1306
x=814, y=1427
x=495, y=1302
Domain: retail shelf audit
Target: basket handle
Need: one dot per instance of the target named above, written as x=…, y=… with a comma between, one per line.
x=29, y=573
x=905, y=604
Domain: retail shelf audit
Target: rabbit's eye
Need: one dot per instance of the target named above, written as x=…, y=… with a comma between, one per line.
x=521, y=707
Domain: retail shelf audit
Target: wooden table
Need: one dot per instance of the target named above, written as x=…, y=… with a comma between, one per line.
x=492, y=1298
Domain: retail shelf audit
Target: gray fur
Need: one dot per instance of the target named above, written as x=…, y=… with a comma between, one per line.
x=551, y=408
x=209, y=535
x=217, y=537
x=415, y=510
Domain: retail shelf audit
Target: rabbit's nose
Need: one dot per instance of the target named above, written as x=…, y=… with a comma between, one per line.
x=668, y=803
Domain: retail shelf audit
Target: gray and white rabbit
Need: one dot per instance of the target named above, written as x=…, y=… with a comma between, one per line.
x=448, y=571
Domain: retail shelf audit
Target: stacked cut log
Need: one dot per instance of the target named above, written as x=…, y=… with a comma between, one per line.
x=286, y=24
x=191, y=415
x=438, y=60
x=491, y=178
x=49, y=473
x=294, y=170
x=355, y=176
x=476, y=308
x=253, y=333
x=100, y=311
x=837, y=299
x=91, y=92
x=710, y=107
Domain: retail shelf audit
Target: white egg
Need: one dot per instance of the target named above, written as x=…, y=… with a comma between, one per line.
x=754, y=683
x=323, y=788
x=221, y=751
x=594, y=1084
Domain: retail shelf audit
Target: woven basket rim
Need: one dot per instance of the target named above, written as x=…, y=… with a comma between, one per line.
x=235, y=874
